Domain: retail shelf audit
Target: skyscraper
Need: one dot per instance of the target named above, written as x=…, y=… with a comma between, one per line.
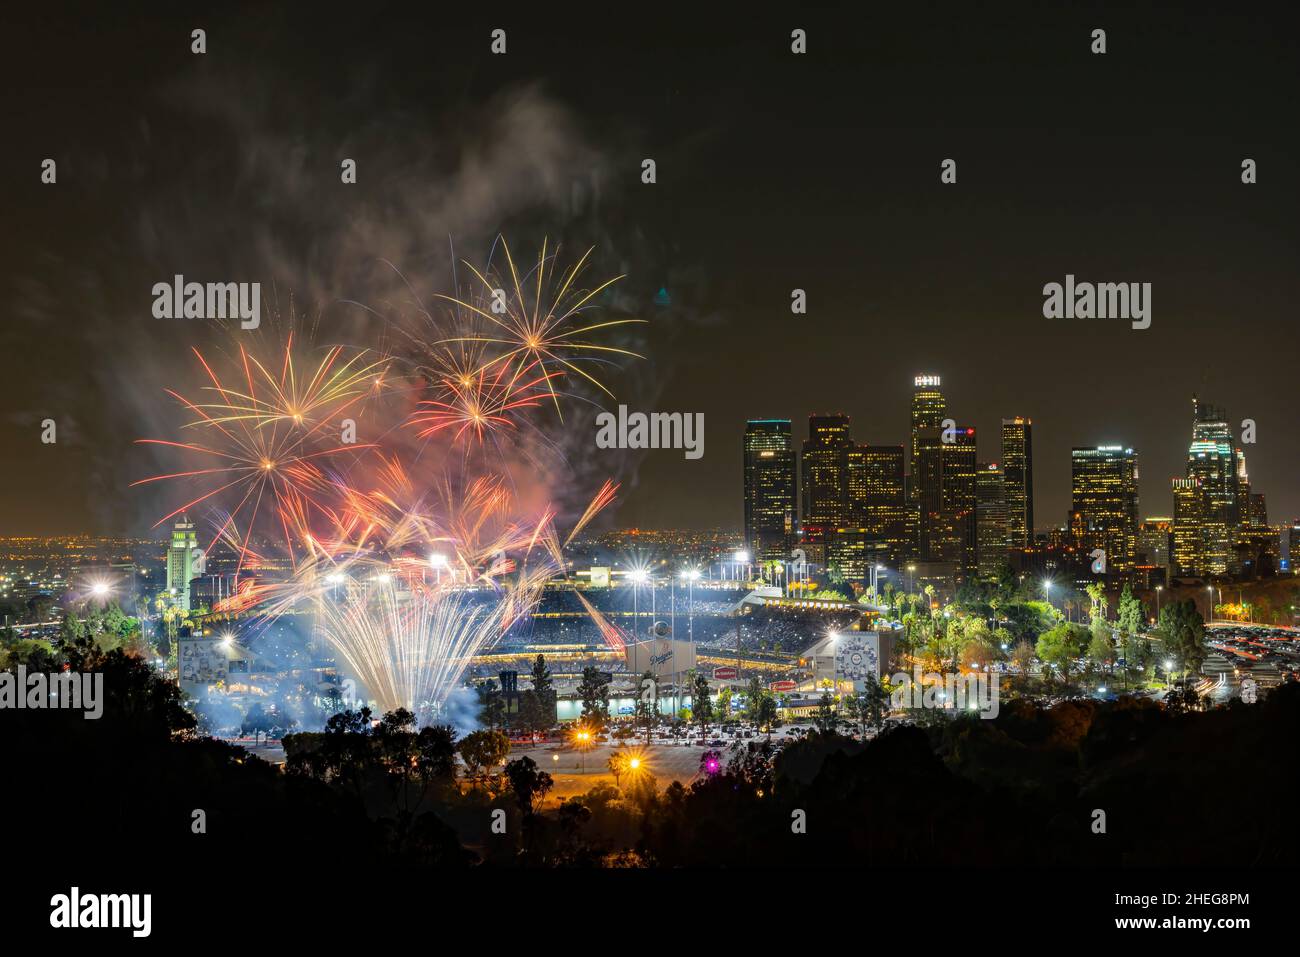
x=770, y=490
x=182, y=555
x=1018, y=469
x=1154, y=544
x=954, y=536
x=1188, y=551
x=1216, y=465
x=877, y=496
x=929, y=408
x=1104, y=513
x=824, y=467
x=990, y=519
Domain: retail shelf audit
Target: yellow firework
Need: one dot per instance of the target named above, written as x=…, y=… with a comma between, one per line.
x=539, y=321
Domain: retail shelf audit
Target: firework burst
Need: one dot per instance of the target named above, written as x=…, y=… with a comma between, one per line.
x=263, y=442
x=514, y=339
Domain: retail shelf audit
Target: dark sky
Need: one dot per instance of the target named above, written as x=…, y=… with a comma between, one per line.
x=775, y=171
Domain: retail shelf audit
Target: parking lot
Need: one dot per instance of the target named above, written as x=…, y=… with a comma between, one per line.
x=576, y=771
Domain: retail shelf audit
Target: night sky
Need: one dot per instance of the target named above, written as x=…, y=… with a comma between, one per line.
x=775, y=172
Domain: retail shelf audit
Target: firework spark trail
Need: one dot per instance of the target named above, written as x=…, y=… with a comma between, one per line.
x=615, y=637
x=603, y=498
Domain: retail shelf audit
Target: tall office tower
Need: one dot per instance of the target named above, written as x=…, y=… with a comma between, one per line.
x=1105, y=503
x=1258, y=549
x=852, y=551
x=1214, y=461
x=929, y=409
x=183, y=560
x=1155, y=542
x=1018, y=468
x=990, y=519
x=1188, y=551
x=878, y=497
x=824, y=468
x=770, y=490
x=912, y=528
x=954, y=536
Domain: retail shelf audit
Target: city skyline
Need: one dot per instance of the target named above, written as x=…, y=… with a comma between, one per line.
x=1157, y=495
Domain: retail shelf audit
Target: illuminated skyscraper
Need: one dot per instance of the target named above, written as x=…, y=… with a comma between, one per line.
x=824, y=468
x=183, y=560
x=929, y=409
x=1018, y=469
x=1216, y=465
x=1188, y=548
x=852, y=551
x=824, y=483
x=877, y=496
x=1104, y=510
x=990, y=519
x=954, y=536
x=1155, y=542
x=770, y=499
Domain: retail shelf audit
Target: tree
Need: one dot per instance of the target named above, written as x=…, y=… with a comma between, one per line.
x=753, y=694
x=1097, y=593
x=70, y=629
x=492, y=710
x=483, y=749
x=701, y=703
x=874, y=701
x=1022, y=659
x=646, y=709
x=723, y=707
x=619, y=764
x=826, y=720
x=1060, y=647
x=256, y=722
x=767, y=711
x=544, y=688
x=532, y=713
x=977, y=654
x=1183, y=631
x=435, y=751
x=1101, y=649
x=593, y=689
x=1137, y=654
x=527, y=782
x=1131, y=614
x=855, y=707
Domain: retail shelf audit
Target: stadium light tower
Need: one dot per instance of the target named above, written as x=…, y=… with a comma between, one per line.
x=741, y=558
x=638, y=575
